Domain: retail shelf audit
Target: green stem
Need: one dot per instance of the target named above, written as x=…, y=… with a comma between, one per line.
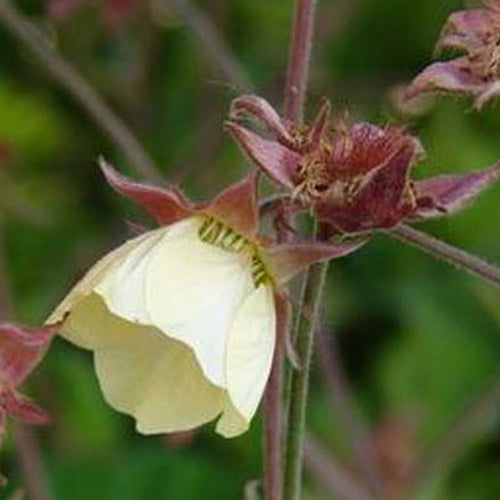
x=306, y=324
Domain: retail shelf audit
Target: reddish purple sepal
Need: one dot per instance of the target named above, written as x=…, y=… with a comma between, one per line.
x=447, y=194
x=286, y=260
x=165, y=205
x=237, y=206
x=21, y=349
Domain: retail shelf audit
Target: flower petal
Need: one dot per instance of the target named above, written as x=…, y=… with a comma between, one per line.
x=237, y=206
x=103, y=268
x=21, y=349
x=250, y=351
x=124, y=288
x=274, y=159
x=193, y=291
x=144, y=373
x=165, y=205
x=446, y=194
x=231, y=423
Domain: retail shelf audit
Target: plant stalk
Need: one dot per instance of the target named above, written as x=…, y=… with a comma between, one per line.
x=295, y=96
x=299, y=57
x=273, y=419
x=454, y=256
x=296, y=428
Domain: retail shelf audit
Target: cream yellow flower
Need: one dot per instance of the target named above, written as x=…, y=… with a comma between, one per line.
x=182, y=320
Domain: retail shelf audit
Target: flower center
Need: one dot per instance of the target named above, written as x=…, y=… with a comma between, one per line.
x=217, y=233
x=313, y=178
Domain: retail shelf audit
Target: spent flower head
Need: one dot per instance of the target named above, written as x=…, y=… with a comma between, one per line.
x=476, y=33
x=354, y=178
x=183, y=319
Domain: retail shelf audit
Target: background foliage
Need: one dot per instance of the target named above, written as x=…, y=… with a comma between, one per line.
x=418, y=340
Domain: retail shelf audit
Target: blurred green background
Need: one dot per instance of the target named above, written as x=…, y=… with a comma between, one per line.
x=418, y=340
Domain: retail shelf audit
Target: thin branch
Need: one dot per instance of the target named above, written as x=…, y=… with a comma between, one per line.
x=340, y=392
x=330, y=474
x=454, y=256
x=33, y=39
x=298, y=62
x=210, y=40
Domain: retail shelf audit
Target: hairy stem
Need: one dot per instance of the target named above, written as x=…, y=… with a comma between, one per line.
x=33, y=39
x=297, y=389
x=296, y=424
x=298, y=62
x=454, y=256
x=273, y=487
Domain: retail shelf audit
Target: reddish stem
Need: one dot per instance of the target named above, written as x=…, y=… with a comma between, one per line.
x=298, y=62
x=273, y=419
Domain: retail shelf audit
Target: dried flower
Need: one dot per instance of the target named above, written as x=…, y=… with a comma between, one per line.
x=354, y=178
x=477, y=33
x=182, y=320
x=20, y=351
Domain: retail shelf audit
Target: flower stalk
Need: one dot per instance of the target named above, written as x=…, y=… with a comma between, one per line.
x=314, y=277
x=454, y=256
x=306, y=323
x=298, y=62
x=273, y=419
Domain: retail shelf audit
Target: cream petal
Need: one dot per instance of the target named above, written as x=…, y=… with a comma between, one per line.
x=250, y=351
x=193, y=292
x=143, y=373
x=95, y=275
x=123, y=287
x=118, y=275
x=231, y=423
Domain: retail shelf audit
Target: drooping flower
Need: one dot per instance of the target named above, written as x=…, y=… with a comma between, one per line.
x=182, y=320
x=475, y=32
x=354, y=178
x=21, y=349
